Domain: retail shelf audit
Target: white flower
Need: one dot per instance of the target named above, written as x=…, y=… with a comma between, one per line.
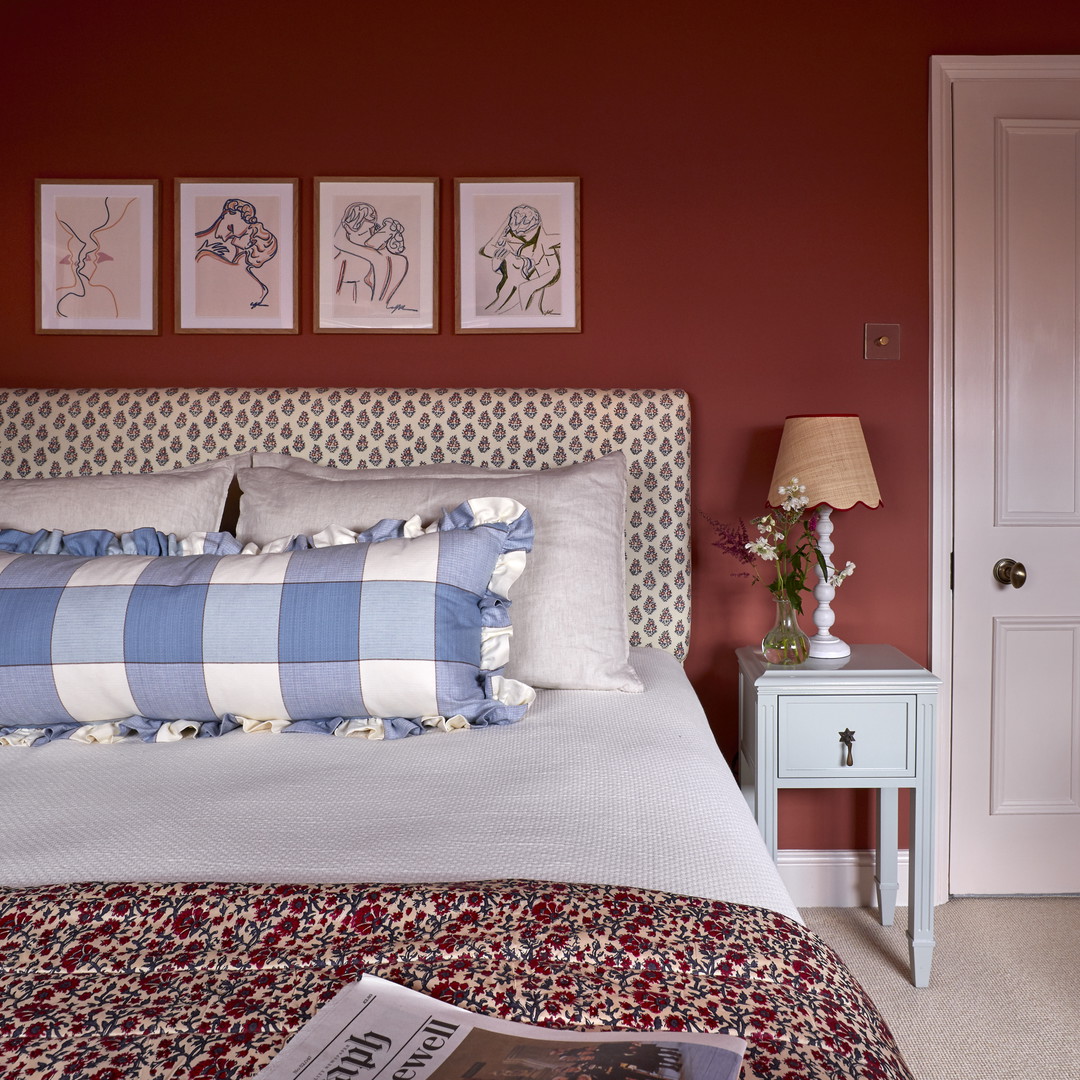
x=795, y=499
x=762, y=549
x=837, y=577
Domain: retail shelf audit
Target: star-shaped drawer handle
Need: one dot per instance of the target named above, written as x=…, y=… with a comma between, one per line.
x=847, y=737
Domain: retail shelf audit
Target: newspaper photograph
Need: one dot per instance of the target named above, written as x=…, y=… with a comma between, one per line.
x=378, y=1030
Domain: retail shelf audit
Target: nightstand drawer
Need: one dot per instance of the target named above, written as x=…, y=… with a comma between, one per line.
x=808, y=741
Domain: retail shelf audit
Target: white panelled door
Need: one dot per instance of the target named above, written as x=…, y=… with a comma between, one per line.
x=1015, y=824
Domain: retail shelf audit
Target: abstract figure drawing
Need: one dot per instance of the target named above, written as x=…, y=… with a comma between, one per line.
x=370, y=254
x=81, y=297
x=238, y=238
x=527, y=260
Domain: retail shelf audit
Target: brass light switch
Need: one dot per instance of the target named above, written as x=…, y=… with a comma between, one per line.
x=881, y=341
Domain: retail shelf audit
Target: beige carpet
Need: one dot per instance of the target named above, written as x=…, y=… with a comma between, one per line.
x=1004, y=996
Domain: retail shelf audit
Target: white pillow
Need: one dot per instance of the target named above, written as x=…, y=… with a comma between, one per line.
x=184, y=501
x=303, y=467
x=569, y=608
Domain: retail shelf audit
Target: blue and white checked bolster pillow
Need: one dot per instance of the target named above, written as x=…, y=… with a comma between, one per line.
x=382, y=634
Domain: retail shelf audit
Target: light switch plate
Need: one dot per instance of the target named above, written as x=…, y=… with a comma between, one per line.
x=881, y=341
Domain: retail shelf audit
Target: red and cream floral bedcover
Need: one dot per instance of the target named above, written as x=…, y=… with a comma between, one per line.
x=200, y=981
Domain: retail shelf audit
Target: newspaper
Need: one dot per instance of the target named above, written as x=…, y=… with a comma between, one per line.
x=378, y=1030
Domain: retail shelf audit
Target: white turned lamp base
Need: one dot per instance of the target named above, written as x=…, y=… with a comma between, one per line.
x=824, y=644
x=827, y=647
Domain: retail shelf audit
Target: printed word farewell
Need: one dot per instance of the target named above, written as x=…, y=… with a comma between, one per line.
x=360, y=1052
x=437, y=1034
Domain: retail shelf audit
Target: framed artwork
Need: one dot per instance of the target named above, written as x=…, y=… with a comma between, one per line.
x=236, y=257
x=518, y=265
x=97, y=256
x=376, y=255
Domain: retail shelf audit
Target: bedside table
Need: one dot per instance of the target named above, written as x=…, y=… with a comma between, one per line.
x=866, y=721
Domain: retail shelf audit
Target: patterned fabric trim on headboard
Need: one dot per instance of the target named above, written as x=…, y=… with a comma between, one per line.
x=81, y=432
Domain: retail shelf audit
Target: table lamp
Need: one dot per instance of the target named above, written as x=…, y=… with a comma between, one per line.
x=828, y=454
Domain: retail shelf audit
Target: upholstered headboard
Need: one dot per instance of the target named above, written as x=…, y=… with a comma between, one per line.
x=81, y=432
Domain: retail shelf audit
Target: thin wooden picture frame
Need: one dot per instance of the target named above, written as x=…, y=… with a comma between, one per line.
x=96, y=256
x=236, y=256
x=376, y=255
x=518, y=258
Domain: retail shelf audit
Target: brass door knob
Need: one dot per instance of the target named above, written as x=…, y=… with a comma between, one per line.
x=1010, y=572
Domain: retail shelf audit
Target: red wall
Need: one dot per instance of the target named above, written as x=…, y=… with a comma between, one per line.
x=754, y=189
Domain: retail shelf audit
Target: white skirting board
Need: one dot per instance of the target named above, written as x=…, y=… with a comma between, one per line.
x=835, y=878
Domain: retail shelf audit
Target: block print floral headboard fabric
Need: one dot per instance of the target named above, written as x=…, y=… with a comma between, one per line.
x=84, y=432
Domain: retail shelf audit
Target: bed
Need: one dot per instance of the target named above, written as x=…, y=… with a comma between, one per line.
x=186, y=877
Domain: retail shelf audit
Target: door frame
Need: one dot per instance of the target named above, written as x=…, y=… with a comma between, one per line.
x=944, y=72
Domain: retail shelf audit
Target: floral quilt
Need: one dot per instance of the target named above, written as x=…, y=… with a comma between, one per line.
x=209, y=981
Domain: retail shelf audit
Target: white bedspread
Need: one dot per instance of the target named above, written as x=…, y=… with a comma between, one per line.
x=601, y=787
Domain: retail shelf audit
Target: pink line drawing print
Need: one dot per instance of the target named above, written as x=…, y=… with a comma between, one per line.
x=527, y=260
x=81, y=297
x=370, y=255
x=238, y=238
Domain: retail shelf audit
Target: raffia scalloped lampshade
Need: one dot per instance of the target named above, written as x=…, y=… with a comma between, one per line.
x=828, y=454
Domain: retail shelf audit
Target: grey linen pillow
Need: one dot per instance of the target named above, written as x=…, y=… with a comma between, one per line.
x=569, y=607
x=183, y=501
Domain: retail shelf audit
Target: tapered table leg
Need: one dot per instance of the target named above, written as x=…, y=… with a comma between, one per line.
x=921, y=885
x=885, y=877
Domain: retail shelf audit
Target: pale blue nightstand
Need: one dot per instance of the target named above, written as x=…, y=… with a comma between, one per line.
x=791, y=720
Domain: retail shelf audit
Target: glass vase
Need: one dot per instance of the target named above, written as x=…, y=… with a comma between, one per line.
x=785, y=643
